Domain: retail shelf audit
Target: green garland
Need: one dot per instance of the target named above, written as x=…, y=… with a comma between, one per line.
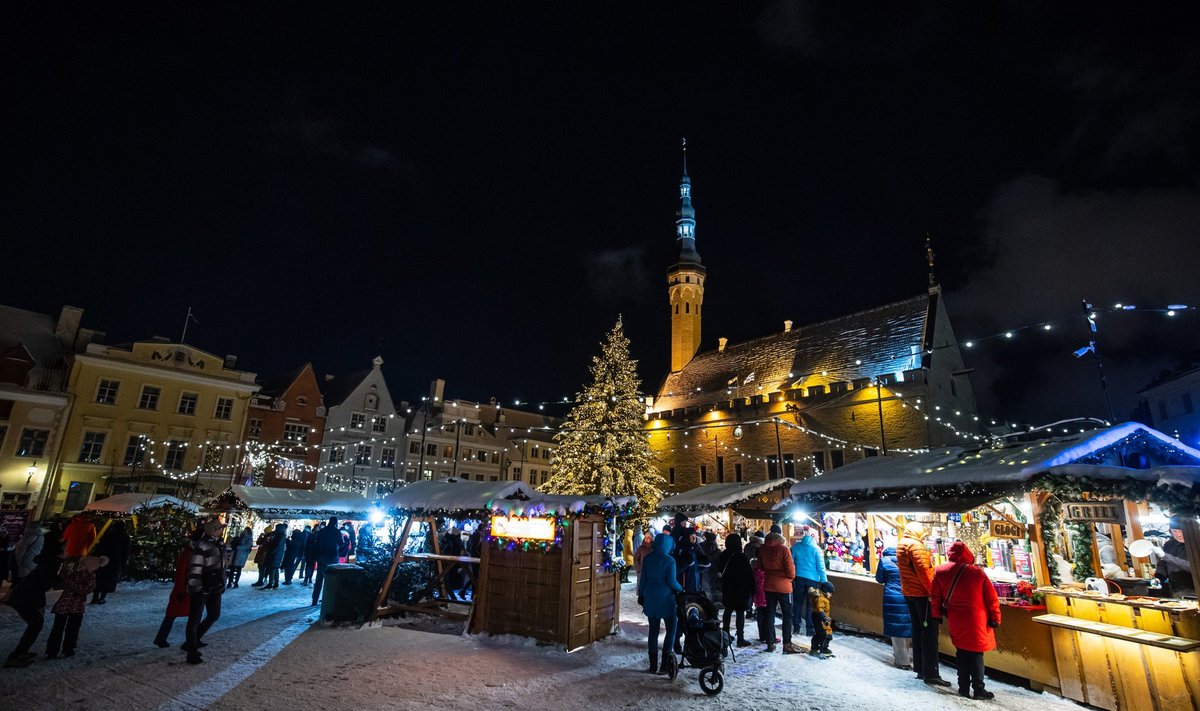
x=1081, y=549
x=1051, y=519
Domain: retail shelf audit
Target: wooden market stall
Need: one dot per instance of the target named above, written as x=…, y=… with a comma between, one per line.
x=730, y=505
x=275, y=503
x=1011, y=502
x=132, y=502
x=546, y=567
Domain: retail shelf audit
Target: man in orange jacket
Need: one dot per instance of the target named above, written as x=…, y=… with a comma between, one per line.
x=916, y=579
x=779, y=569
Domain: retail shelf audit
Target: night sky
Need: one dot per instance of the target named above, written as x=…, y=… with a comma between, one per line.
x=476, y=194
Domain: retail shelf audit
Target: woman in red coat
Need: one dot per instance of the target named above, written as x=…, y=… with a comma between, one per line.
x=963, y=594
x=180, y=604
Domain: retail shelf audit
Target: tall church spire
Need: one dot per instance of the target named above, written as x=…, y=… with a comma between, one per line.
x=685, y=280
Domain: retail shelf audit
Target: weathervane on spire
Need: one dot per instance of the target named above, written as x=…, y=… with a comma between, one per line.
x=685, y=155
x=929, y=258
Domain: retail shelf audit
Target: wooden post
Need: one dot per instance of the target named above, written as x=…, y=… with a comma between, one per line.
x=1041, y=556
x=437, y=549
x=1133, y=520
x=1118, y=544
x=396, y=558
x=872, y=559
x=1191, y=544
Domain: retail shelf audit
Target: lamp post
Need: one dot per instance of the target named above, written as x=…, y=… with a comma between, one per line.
x=30, y=472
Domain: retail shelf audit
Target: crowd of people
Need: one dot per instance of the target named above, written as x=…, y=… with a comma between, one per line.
x=82, y=561
x=758, y=576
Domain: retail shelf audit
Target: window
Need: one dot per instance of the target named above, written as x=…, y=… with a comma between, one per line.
x=79, y=494
x=1187, y=403
x=737, y=472
x=379, y=425
x=149, y=397
x=671, y=476
x=469, y=429
x=516, y=474
x=495, y=457
x=819, y=461
x=224, y=409
x=135, y=453
x=772, y=468
x=176, y=452
x=337, y=454
x=414, y=447
x=91, y=450
x=533, y=451
x=33, y=443
x=481, y=456
x=15, y=501
x=358, y=421
x=546, y=454
x=410, y=474
x=720, y=470
x=837, y=457
x=187, y=403
x=387, y=458
x=212, y=458
x=294, y=432
x=703, y=474
x=106, y=394
x=362, y=454
x=467, y=453
x=431, y=450
x=544, y=477
x=254, y=431
x=448, y=451
x=1162, y=409
x=289, y=469
x=789, y=465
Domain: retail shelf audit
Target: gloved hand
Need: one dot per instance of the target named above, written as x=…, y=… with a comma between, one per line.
x=1158, y=551
x=993, y=624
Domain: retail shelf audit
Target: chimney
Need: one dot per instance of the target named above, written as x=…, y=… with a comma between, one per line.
x=787, y=326
x=67, y=327
x=721, y=344
x=437, y=390
x=230, y=362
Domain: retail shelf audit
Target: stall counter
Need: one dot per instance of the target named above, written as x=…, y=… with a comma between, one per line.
x=1023, y=647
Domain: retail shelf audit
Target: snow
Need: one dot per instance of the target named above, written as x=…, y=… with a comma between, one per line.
x=452, y=495
x=265, y=651
x=130, y=502
x=720, y=496
x=277, y=499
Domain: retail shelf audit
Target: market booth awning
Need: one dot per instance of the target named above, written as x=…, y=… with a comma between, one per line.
x=753, y=500
x=453, y=496
x=132, y=502
x=958, y=478
x=274, y=502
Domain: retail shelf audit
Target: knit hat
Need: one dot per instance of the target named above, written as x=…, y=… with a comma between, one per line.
x=775, y=528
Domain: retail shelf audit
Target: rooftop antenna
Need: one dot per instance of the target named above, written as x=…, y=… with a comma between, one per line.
x=929, y=258
x=685, y=156
x=186, y=321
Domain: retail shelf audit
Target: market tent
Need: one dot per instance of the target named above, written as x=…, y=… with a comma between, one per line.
x=717, y=497
x=132, y=502
x=275, y=502
x=453, y=495
x=956, y=478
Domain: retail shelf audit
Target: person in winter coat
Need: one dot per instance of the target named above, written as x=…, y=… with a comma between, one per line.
x=310, y=554
x=279, y=547
x=691, y=563
x=242, y=545
x=963, y=593
x=293, y=554
x=752, y=546
x=779, y=571
x=28, y=598
x=916, y=577
x=79, y=536
x=1173, y=567
x=642, y=551
x=262, y=557
x=114, y=544
x=710, y=581
x=766, y=631
x=179, y=604
x=328, y=541
x=78, y=579
x=736, y=580
x=822, y=619
x=657, y=586
x=896, y=622
x=28, y=549
x=810, y=573
x=205, y=585
x=351, y=540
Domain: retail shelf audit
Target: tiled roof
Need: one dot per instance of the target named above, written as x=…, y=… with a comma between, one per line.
x=33, y=330
x=336, y=390
x=276, y=385
x=887, y=339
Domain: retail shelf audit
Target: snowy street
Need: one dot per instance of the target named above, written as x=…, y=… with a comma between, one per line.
x=265, y=652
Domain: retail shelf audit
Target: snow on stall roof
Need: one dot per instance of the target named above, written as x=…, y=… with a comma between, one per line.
x=543, y=504
x=720, y=496
x=270, y=499
x=1001, y=466
x=131, y=502
x=454, y=495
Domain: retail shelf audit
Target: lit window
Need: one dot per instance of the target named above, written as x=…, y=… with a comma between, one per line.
x=358, y=421
x=379, y=425
x=254, y=430
x=91, y=450
x=176, y=452
x=135, y=452
x=293, y=432
x=224, y=409
x=387, y=458
x=363, y=454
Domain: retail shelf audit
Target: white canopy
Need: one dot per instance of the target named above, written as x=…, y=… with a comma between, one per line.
x=476, y=497
x=131, y=502
x=713, y=497
x=276, y=502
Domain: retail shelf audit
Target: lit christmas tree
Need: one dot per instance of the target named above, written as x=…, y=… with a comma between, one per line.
x=602, y=446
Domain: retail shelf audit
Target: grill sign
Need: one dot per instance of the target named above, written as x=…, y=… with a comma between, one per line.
x=1097, y=511
x=1007, y=529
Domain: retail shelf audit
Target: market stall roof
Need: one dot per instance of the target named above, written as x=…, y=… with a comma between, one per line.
x=955, y=478
x=513, y=498
x=714, y=497
x=132, y=502
x=275, y=502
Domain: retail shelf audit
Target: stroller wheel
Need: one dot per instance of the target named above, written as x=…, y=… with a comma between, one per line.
x=711, y=681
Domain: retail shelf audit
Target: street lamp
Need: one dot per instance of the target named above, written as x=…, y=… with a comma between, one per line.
x=30, y=472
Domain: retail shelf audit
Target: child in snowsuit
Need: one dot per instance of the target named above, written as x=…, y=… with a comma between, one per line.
x=766, y=628
x=822, y=621
x=78, y=579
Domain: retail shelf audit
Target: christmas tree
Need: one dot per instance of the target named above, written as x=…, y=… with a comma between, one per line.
x=603, y=447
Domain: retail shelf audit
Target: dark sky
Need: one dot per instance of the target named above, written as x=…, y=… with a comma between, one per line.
x=476, y=194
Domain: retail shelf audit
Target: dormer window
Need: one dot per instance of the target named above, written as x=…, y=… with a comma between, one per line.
x=371, y=402
x=302, y=401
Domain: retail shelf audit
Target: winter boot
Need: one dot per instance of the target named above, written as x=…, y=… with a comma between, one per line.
x=983, y=694
x=654, y=663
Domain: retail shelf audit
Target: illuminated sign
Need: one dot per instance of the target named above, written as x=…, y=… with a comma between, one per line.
x=1007, y=529
x=1097, y=511
x=530, y=529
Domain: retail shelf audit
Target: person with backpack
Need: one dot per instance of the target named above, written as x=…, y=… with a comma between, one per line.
x=28, y=599
x=963, y=595
x=916, y=578
x=736, y=580
x=78, y=579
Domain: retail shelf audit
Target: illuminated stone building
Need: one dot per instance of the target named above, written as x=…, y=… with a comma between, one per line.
x=804, y=399
x=287, y=418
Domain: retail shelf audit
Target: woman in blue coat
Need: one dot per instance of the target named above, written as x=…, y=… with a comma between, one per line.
x=896, y=622
x=657, y=586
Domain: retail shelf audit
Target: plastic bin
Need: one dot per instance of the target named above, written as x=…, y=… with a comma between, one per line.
x=344, y=597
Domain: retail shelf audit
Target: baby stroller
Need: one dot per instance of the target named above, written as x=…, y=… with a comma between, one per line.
x=705, y=644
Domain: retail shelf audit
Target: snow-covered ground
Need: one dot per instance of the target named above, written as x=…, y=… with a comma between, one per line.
x=265, y=652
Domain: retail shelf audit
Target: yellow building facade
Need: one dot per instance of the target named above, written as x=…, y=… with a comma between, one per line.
x=154, y=417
